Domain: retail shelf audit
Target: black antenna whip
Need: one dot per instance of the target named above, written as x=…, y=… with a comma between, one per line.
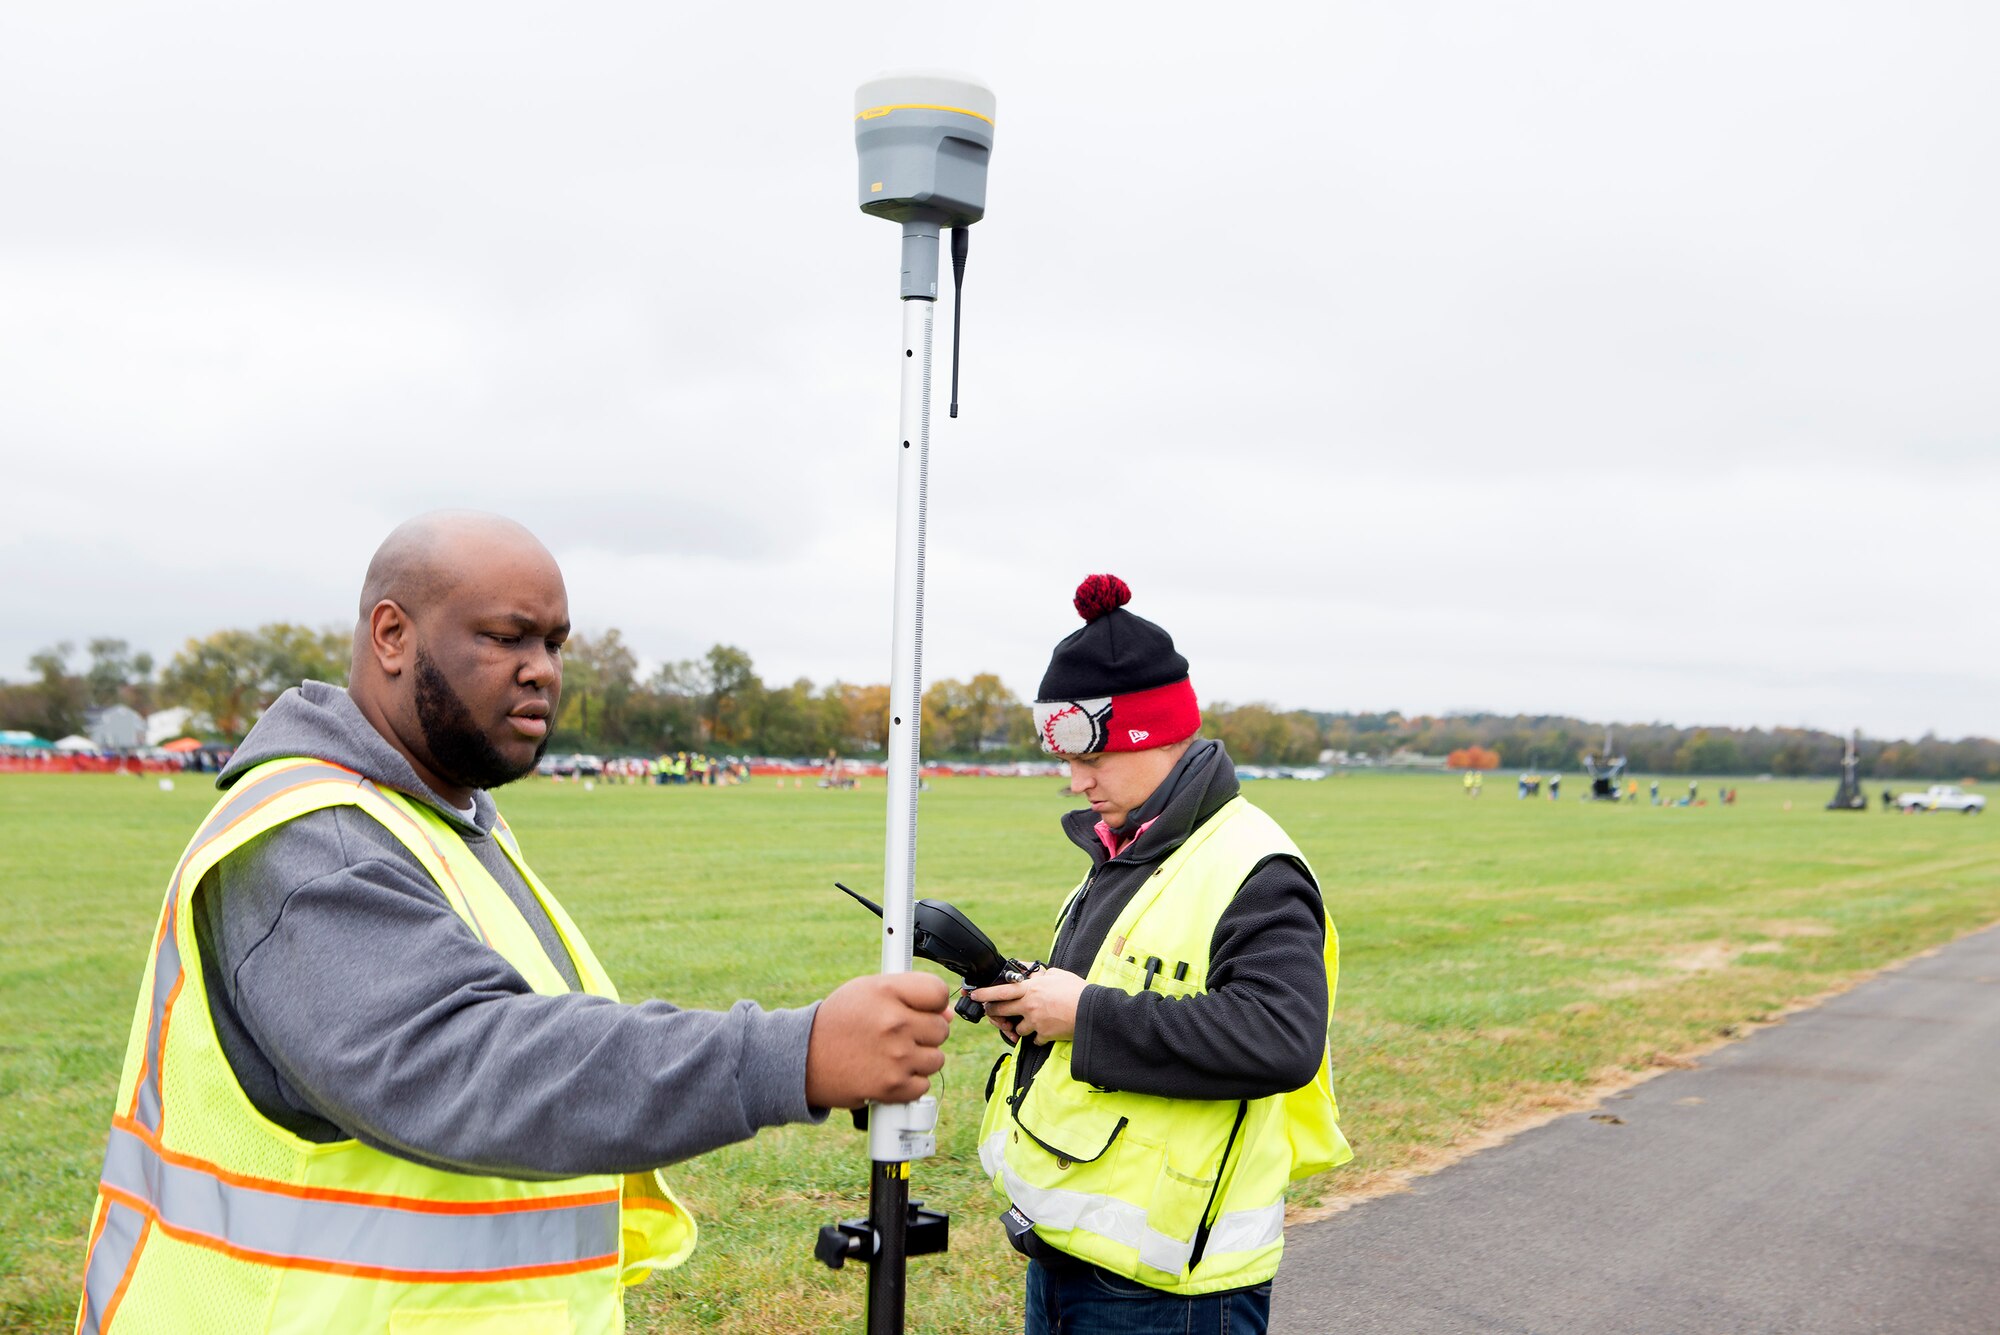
x=961, y=241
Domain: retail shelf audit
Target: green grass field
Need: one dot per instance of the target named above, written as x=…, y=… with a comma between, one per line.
x=1498, y=957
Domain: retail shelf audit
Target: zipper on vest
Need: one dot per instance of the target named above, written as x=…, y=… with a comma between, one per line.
x=1075, y=901
x=1221, y=1172
x=1025, y=1069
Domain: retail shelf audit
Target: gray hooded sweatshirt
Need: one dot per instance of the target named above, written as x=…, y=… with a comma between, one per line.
x=351, y=1000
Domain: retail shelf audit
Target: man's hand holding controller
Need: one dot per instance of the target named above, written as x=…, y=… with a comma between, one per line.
x=1041, y=1006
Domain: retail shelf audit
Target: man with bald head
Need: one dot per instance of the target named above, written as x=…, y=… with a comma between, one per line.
x=377, y=1080
x=481, y=587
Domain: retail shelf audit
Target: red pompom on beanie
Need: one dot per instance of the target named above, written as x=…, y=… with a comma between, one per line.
x=1100, y=594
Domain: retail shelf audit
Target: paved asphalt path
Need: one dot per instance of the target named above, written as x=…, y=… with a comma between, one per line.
x=1830, y=1175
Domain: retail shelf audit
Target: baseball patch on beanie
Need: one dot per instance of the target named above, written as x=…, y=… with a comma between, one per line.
x=1136, y=721
x=1073, y=727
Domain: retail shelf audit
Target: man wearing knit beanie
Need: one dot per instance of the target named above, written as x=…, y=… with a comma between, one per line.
x=1177, y=1073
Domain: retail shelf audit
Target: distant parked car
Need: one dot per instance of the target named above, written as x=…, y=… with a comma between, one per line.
x=1942, y=797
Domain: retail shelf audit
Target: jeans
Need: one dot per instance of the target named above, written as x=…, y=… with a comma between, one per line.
x=1089, y=1301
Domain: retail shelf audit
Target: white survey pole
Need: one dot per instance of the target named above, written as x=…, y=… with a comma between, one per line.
x=906, y=685
x=899, y=1133
x=922, y=141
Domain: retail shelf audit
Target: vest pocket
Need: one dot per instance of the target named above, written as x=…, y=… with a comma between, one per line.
x=1178, y=1196
x=1129, y=973
x=1064, y=1116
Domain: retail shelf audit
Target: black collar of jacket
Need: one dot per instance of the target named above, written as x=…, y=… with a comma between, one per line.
x=1199, y=785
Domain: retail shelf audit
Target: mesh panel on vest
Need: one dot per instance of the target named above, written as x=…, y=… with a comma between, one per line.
x=211, y=1119
x=247, y=1147
x=229, y=1295
x=217, y=1123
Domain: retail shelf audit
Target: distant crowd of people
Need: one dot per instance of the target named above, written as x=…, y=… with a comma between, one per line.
x=679, y=767
x=1725, y=796
x=698, y=767
x=1530, y=785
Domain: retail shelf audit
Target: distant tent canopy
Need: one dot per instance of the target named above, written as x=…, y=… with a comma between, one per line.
x=182, y=744
x=25, y=741
x=76, y=743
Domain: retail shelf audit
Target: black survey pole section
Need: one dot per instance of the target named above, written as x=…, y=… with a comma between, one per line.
x=888, y=1277
x=961, y=241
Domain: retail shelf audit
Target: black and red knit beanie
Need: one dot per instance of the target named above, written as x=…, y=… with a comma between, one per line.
x=1115, y=685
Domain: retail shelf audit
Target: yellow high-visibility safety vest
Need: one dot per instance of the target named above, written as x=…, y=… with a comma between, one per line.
x=1185, y=1195
x=210, y=1217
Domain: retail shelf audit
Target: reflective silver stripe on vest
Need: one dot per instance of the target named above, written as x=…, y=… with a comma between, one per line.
x=1125, y=1223
x=413, y=1244
x=167, y=960
x=993, y=1153
x=166, y=976
x=110, y=1258
x=1246, y=1230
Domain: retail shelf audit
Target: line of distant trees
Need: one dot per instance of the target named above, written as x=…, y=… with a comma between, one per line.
x=718, y=702
x=1548, y=741
x=228, y=678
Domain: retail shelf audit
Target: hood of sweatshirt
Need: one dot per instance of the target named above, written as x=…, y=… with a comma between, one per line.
x=323, y=722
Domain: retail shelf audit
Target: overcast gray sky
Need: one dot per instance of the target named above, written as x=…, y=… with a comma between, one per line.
x=1635, y=362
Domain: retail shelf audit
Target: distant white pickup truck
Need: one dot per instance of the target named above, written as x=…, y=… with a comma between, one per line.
x=1942, y=797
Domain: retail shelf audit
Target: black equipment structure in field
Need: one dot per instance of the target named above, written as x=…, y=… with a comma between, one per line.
x=1605, y=773
x=1850, y=797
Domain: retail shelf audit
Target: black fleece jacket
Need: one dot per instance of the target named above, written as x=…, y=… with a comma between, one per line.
x=1260, y=1028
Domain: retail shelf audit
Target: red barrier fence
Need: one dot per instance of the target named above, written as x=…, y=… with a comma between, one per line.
x=86, y=765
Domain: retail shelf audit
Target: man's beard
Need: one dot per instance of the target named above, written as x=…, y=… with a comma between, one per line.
x=460, y=751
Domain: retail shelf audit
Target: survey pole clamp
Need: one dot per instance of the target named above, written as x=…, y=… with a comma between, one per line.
x=903, y=1132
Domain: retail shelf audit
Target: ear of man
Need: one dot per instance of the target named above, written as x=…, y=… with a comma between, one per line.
x=384, y=642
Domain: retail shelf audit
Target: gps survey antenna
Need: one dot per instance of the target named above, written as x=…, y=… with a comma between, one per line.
x=923, y=140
